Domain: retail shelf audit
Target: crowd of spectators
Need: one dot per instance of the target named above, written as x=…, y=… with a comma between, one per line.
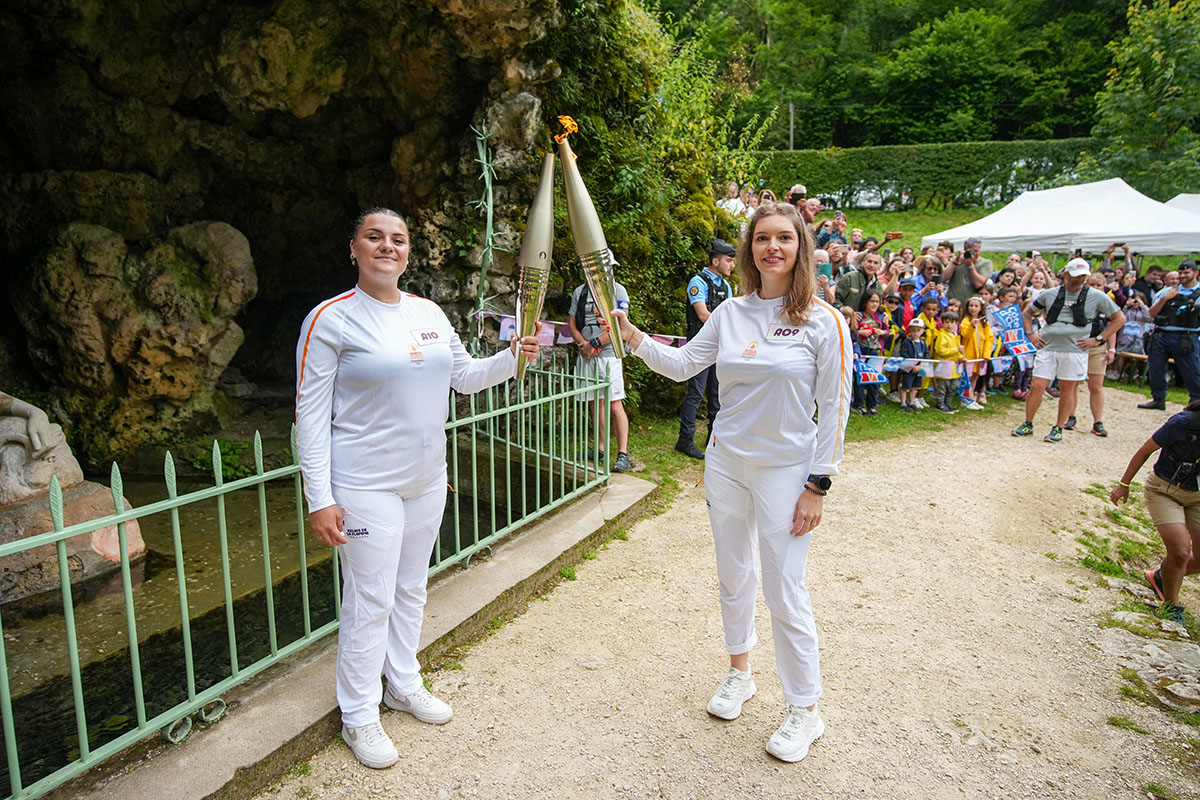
x=939, y=302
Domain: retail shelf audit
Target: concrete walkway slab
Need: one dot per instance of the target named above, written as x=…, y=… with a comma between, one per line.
x=285, y=715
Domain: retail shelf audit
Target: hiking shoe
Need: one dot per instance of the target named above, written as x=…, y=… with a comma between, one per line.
x=1024, y=429
x=907, y=409
x=801, y=728
x=737, y=688
x=622, y=463
x=1156, y=405
x=1174, y=613
x=1054, y=436
x=1154, y=578
x=1070, y=426
x=421, y=704
x=1099, y=429
x=688, y=448
x=945, y=408
x=371, y=746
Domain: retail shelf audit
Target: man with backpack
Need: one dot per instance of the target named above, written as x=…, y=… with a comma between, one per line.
x=597, y=359
x=1176, y=314
x=1064, y=342
x=705, y=291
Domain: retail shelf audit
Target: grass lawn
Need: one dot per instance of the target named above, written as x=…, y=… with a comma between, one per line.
x=1175, y=394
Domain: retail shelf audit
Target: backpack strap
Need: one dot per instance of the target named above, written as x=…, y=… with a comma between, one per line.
x=581, y=307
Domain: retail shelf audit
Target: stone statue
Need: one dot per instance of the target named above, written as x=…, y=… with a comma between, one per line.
x=32, y=450
x=38, y=431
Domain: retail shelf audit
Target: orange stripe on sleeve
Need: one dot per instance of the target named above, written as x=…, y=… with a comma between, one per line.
x=308, y=336
x=838, y=319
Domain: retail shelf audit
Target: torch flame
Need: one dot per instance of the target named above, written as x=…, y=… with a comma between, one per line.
x=569, y=127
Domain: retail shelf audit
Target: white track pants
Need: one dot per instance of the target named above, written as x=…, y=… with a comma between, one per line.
x=384, y=570
x=749, y=505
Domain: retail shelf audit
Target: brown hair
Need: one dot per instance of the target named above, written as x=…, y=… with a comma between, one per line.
x=799, y=297
x=362, y=218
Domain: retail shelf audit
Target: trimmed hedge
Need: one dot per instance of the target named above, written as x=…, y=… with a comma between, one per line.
x=949, y=175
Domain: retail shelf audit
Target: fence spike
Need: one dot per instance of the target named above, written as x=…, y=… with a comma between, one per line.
x=295, y=446
x=56, y=503
x=218, y=470
x=169, y=475
x=258, y=454
x=118, y=488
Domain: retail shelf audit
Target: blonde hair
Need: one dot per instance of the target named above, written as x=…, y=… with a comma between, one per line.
x=799, y=297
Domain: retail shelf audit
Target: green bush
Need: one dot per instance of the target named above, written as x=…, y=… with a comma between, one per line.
x=655, y=131
x=953, y=174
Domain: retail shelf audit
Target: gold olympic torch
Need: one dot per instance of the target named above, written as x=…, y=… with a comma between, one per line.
x=597, y=259
x=534, y=260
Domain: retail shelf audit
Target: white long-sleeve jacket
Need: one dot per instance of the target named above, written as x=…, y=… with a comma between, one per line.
x=373, y=393
x=774, y=378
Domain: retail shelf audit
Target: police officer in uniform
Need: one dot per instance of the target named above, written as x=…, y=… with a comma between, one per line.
x=705, y=291
x=1176, y=313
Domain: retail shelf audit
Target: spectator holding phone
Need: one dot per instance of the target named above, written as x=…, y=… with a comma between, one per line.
x=832, y=230
x=966, y=272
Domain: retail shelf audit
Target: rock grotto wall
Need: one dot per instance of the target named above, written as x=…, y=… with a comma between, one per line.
x=178, y=176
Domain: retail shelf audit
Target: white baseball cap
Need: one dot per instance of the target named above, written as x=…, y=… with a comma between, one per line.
x=1078, y=266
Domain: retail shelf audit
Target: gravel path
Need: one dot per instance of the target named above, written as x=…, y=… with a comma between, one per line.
x=956, y=657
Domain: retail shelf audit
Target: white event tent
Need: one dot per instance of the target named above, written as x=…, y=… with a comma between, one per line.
x=1088, y=216
x=1188, y=202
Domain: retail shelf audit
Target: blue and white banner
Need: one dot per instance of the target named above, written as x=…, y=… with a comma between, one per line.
x=1012, y=330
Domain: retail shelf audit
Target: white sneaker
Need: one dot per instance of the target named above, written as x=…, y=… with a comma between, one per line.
x=801, y=728
x=421, y=704
x=371, y=746
x=737, y=688
x=894, y=397
x=919, y=403
x=972, y=405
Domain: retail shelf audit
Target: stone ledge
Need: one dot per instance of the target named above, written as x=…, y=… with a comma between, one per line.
x=288, y=713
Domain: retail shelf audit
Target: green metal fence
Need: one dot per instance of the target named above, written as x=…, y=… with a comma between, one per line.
x=515, y=452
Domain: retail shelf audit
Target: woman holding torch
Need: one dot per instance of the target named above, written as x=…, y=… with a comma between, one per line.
x=374, y=371
x=783, y=357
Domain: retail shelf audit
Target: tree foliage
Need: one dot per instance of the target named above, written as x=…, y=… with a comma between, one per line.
x=865, y=72
x=658, y=121
x=1149, y=109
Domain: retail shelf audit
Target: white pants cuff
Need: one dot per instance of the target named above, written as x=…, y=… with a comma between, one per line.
x=743, y=647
